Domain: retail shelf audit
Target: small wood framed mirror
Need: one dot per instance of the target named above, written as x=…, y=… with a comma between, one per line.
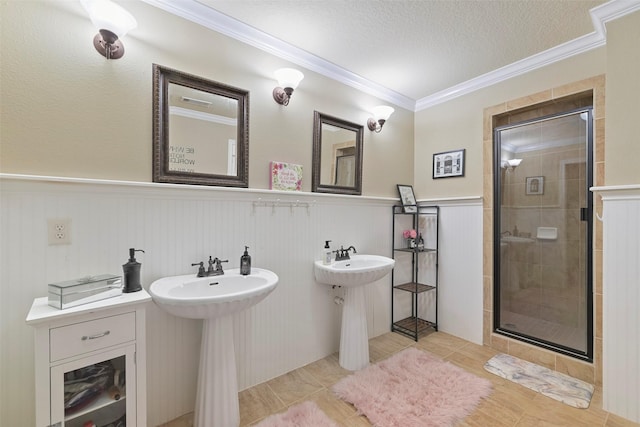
x=337, y=155
x=200, y=130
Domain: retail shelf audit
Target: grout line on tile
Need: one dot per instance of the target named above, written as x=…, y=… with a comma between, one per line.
x=276, y=395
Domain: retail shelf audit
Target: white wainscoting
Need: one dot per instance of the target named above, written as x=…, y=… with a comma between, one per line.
x=179, y=225
x=621, y=300
x=460, y=267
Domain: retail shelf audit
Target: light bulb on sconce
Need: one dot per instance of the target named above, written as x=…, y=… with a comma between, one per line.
x=510, y=164
x=288, y=80
x=381, y=114
x=112, y=22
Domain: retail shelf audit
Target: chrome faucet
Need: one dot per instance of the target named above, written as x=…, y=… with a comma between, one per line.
x=218, y=269
x=215, y=267
x=505, y=233
x=201, y=271
x=342, y=253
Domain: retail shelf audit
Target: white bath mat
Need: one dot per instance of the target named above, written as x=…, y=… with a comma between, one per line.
x=555, y=385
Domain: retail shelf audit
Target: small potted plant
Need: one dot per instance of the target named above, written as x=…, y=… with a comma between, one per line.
x=410, y=235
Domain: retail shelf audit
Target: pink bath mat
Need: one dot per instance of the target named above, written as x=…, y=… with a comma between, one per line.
x=413, y=388
x=306, y=414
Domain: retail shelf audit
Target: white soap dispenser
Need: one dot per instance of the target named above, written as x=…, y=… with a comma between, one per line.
x=326, y=253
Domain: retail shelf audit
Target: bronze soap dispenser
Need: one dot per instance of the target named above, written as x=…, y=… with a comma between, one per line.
x=132, y=273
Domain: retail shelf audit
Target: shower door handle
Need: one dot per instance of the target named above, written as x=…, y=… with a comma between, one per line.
x=584, y=214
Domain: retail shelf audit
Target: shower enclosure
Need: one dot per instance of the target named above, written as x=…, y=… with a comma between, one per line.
x=543, y=232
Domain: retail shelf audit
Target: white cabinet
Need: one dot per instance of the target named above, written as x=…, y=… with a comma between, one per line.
x=90, y=362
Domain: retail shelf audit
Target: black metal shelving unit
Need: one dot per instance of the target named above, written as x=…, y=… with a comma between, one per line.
x=425, y=220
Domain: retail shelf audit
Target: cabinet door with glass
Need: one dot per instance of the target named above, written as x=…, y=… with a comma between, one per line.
x=97, y=390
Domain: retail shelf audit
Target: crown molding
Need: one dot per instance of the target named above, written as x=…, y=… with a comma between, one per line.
x=555, y=54
x=600, y=15
x=219, y=22
x=200, y=115
x=611, y=11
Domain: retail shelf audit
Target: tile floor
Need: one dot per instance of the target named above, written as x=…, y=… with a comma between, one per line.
x=509, y=404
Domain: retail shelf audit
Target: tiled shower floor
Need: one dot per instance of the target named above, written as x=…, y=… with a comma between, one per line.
x=545, y=330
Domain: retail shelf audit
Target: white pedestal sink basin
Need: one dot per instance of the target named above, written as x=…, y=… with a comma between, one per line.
x=215, y=299
x=353, y=275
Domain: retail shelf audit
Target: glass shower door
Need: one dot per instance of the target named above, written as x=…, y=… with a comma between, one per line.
x=543, y=232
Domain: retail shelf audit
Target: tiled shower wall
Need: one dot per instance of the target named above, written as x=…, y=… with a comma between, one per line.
x=544, y=279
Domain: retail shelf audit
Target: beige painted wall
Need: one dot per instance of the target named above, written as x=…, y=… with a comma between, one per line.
x=459, y=123
x=622, y=150
x=66, y=111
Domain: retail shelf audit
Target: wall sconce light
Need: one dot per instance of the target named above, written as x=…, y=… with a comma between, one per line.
x=112, y=22
x=380, y=115
x=510, y=164
x=288, y=80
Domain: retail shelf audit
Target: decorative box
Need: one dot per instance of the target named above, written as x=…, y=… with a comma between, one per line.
x=76, y=292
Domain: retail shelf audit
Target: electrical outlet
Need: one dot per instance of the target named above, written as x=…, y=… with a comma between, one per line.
x=59, y=231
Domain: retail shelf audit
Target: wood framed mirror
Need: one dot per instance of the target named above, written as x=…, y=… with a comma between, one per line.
x=337, y=155
x=200, y=130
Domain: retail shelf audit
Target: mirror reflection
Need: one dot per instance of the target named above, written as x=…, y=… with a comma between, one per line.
x=200, y=130
x=337, y=162
x=338, y=156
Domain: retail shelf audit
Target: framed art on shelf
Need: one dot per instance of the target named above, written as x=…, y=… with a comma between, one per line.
x=285, y=176
x=448, y=164
x=407, y=198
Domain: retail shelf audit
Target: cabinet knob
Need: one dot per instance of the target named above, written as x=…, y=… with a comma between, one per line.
x=96, y=336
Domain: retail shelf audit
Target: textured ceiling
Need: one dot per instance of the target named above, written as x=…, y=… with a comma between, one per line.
x=417, y=47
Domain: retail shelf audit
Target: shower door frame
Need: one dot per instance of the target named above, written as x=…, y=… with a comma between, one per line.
x=586, y=215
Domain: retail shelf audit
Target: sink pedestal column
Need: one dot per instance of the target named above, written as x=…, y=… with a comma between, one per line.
x=354, y=338
x=217, y=395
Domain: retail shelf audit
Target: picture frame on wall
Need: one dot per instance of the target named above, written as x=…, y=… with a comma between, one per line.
x=448, y=164
x=534, y=185
x=407, y=198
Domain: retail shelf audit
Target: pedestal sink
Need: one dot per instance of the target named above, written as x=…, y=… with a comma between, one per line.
x=215, y=299
x=353, y=275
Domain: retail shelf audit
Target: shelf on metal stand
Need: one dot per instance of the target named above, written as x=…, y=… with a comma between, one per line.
x=415, y=326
